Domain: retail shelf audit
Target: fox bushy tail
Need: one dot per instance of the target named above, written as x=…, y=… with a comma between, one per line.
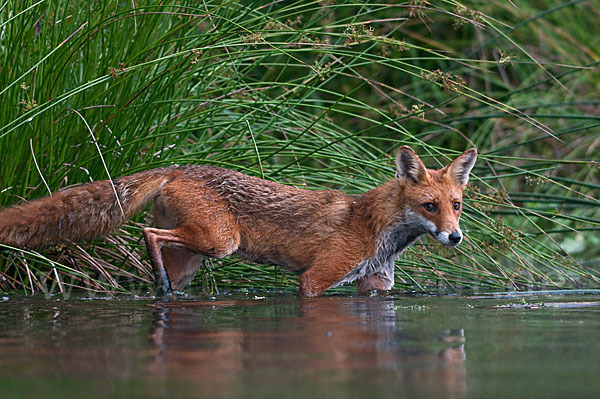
x=79, y=213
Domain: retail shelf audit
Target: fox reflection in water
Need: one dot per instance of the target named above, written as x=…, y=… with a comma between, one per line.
x=313, y=346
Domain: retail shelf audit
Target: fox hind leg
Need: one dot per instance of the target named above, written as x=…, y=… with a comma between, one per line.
x=154, y=242
x=174, y=268
x=181, y=266
x=193, y=222
x=174, y=253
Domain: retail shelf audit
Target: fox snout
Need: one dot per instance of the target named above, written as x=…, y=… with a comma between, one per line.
x=455, y=238
x=449, y=239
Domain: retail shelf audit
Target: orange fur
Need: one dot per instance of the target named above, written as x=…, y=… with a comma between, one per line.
x=328, y=236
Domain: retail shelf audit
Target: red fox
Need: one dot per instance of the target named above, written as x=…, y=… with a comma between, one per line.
x=328, y=236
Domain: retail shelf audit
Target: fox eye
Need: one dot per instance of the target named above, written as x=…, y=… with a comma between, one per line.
x=430, y=207
x=456, y=205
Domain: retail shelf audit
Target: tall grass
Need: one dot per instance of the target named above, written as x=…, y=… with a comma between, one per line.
x=317, y=95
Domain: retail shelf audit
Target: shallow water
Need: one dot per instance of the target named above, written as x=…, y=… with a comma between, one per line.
x=287, y=347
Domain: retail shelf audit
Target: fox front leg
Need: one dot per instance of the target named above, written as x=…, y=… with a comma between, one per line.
x=377, y=281
x=382, y=280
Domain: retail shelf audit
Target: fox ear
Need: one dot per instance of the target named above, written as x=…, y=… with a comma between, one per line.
x=409, y=167
x=460, y=168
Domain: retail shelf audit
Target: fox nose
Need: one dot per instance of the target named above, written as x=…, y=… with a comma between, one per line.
x=455, y=237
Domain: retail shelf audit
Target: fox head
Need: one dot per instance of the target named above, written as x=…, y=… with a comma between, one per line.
x=433, y=198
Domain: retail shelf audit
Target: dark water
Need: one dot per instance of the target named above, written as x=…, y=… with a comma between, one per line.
x=286, y=347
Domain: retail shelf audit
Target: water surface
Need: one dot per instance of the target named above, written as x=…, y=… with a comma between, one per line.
x=288, y=347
